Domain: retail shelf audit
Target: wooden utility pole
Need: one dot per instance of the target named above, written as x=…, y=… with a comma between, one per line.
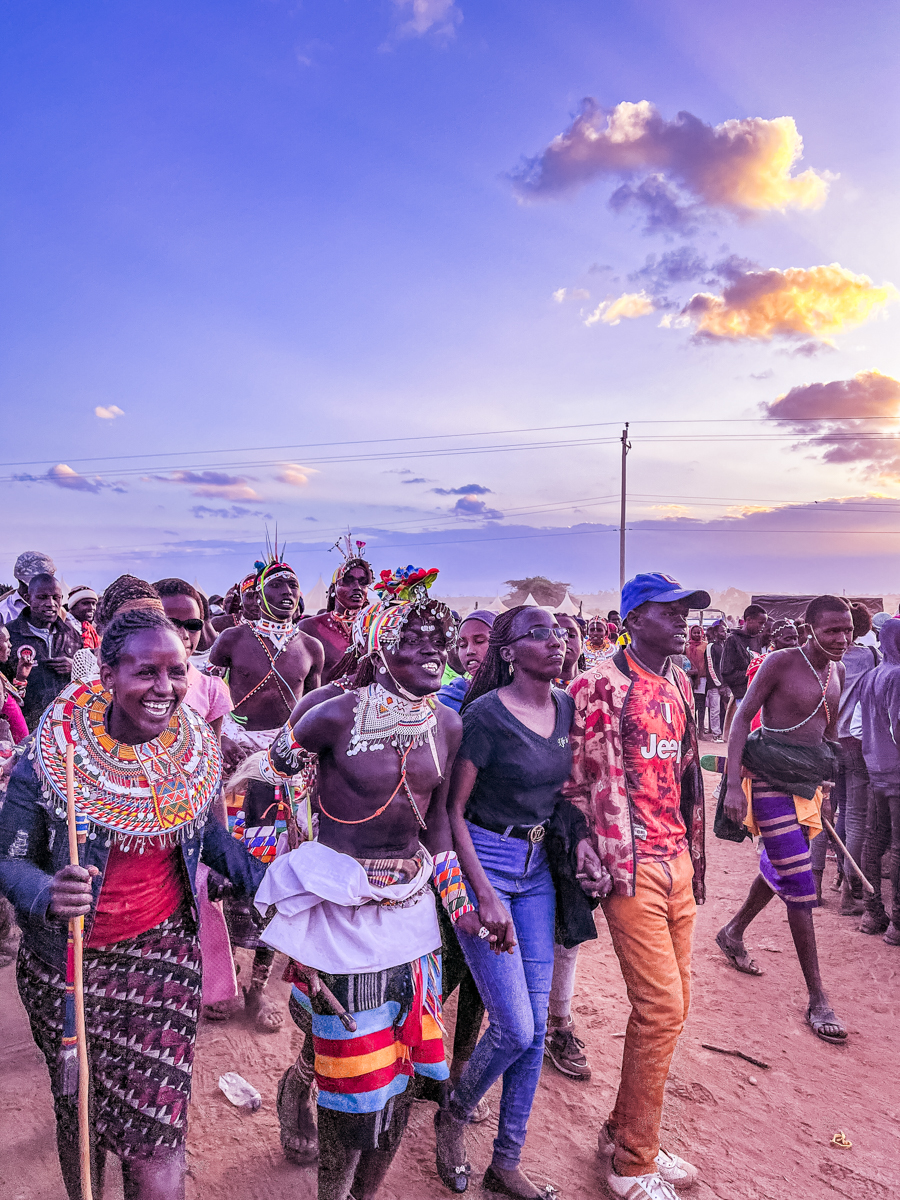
x=626, y=446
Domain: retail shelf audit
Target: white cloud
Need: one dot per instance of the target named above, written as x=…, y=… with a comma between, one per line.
x=294, y=475
x=415, y=18
x=108, y=413
x=629, y=305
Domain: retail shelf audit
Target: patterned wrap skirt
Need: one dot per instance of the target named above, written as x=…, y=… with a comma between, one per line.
x=142, y=1001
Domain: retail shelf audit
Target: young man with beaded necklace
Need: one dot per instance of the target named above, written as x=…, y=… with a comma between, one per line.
x=798, y=692
x=270, y=664
x=347, y=594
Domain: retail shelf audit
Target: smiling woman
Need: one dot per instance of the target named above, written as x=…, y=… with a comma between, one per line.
x=146, y=772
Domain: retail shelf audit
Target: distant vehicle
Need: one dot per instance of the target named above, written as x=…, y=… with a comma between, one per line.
x=705, y=616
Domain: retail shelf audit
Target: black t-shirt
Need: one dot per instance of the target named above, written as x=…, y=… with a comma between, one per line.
x=519, y=772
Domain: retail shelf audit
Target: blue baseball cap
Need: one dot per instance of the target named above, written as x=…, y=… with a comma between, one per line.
x=659, y=589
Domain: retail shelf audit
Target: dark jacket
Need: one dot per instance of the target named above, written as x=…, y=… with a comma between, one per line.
x=878, y=694
x=43, y=685
x=34, y=845
x=736, y=658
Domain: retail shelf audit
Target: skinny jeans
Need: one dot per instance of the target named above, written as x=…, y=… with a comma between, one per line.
x=883, y=832
x=515, y=989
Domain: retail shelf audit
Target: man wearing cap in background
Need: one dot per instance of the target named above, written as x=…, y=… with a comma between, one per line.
x=28, y=564
x=636, y=776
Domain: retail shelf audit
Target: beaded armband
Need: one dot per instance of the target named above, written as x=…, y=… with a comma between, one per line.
x=285, y=757
x=450, y=884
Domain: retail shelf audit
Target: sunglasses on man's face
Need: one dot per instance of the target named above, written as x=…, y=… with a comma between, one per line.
x=192, y=624
x=543, y=633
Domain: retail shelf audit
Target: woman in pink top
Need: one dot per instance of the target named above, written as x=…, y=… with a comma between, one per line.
x=206, y=694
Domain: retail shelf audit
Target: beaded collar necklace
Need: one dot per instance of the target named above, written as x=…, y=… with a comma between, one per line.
x=279, y=633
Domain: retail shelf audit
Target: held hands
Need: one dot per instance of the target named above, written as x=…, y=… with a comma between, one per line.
x=70, y=892
x=493, y=916
x=736, y=803
x=590, y=872
x=61, y=665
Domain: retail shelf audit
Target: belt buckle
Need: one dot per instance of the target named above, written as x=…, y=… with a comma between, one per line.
x=536, y=834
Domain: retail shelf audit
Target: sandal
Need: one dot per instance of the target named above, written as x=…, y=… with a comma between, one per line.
x=747, y=966
x=299, y=1150
x=817, y=1025
x=454, y=1176
x=493, y=1183
x=481, y=1112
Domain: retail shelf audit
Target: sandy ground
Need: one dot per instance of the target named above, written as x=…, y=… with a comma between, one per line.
x=755, y=1134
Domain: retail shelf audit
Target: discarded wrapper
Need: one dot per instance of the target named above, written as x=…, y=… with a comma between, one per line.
x=241, y=1093
x=841, y=1141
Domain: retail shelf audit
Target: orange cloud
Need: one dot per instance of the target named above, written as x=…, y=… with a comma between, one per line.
x=212, y=484
x=294, y=475
x=629, y=304
x=816, y=302
x=741, y=165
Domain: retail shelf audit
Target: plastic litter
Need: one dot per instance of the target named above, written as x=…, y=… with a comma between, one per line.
x=241, y=1093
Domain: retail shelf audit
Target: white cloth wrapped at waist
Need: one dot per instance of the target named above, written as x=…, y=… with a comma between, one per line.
x=332, y=918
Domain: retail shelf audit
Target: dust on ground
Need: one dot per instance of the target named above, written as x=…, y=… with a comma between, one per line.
x=761, y=1140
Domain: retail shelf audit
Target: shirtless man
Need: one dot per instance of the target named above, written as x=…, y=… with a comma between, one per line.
x=354, y=907
x=788, y=759
x=347, y=594
x=270, y=664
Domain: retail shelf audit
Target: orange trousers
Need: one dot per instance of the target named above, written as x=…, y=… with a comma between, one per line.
x=651, y=933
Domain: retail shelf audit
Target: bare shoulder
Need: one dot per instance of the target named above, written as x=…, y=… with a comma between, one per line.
x=310, y=644
x=225, y=643
x=323, y=724
x=309, y=626
x=449, y=722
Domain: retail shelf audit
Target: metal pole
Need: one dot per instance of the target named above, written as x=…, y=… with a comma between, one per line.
x=626, y=446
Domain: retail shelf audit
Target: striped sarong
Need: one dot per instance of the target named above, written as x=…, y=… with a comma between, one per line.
x=784, y=862
x=398, y=1036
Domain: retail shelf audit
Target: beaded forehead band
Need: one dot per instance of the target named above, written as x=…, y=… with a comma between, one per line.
x=402, y=593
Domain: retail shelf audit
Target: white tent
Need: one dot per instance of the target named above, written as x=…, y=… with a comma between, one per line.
x=568, y=606
x=315, y=598
x=496, y=605
x=531, y=602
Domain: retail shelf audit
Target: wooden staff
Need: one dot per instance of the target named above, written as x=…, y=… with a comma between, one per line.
x=857, y=870
x=76, y=926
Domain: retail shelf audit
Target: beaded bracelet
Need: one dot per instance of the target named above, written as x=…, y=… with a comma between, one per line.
x=450, y=884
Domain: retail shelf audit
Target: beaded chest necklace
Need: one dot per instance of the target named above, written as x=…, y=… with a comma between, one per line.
x=156, y=793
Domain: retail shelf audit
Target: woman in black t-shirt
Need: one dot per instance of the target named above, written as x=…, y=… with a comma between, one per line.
x=514, y=758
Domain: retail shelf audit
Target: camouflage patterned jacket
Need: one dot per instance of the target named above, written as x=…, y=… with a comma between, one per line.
x=598, y=785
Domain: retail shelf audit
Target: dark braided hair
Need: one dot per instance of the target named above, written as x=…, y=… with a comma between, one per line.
x=119, y=592
x=126, y=625
x=495, y=671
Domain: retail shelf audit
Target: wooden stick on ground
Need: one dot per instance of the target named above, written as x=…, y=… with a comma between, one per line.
x=76, y=924
x=867, y=887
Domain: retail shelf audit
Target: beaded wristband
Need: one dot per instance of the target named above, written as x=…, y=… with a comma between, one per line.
x=450, y=884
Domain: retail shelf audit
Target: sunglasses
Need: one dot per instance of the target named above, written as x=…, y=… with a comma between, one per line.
x=543, y=633
x=192, y=625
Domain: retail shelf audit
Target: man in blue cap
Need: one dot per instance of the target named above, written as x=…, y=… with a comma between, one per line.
x=636, y=776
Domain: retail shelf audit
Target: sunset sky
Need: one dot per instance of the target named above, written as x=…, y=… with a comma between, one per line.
x=408, y=265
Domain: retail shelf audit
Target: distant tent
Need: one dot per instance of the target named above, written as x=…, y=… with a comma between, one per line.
x=531, y=602
x=496, y=605
x=315, y=598
x=568, y=606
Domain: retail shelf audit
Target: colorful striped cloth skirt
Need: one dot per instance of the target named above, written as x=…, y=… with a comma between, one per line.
x=784, y=862
x=398, y=1035
x=142, y=1001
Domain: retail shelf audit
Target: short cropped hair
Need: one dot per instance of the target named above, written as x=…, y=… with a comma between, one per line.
x=754, y=610
x=862, y=620
x=824, y=604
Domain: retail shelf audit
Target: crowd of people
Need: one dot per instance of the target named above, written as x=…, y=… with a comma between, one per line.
x=407, y=803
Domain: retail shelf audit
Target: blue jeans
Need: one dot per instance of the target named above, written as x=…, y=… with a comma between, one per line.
x=515, y=989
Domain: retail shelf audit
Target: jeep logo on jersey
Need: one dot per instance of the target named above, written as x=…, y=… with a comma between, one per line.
x=663, y=748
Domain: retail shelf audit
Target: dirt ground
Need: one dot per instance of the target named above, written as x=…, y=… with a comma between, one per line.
x=755, y=1134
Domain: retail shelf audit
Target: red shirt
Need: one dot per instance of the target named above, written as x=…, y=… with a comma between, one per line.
x=653, y=726
x=139, y=891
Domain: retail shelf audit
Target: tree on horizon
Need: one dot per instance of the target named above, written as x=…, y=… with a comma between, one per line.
x=544, y=590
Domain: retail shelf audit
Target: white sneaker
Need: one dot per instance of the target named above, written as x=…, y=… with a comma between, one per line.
x=677, y=1171
x=639, y=1187
x=672, y=1168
